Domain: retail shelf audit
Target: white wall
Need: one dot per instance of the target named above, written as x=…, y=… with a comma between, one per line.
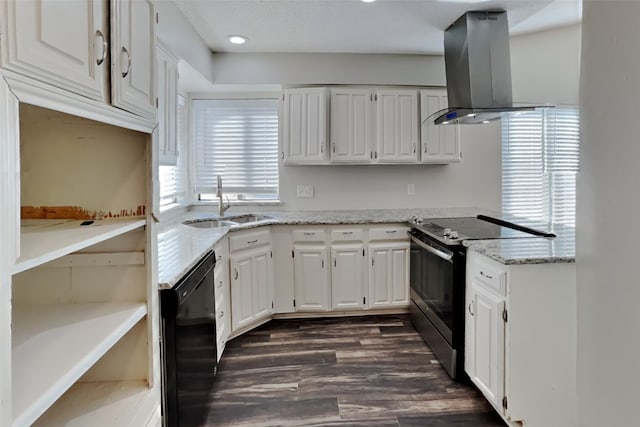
x=182, y=39
x=545, y=66
x=328, y=68
x=474, y=182
x=607, y=216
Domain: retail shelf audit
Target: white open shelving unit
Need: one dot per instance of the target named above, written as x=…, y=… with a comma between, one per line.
x=54, y=345
x=82, y=308
x=51, y=239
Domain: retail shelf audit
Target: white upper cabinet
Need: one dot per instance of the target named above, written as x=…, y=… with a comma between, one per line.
x=351, y=125
x=304, y=132
x=439, y=143
x=167, y=90
x=62, y=43
x=396, y=126
x=133, y=45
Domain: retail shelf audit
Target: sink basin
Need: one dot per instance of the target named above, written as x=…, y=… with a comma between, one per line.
x=209, y=223
x=243, y=219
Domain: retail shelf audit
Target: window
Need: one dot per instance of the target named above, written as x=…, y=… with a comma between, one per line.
x=237, y=139
x=539, y=164
x=173, y=178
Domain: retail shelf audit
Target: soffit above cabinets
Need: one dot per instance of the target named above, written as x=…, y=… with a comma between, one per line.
x=350, y=26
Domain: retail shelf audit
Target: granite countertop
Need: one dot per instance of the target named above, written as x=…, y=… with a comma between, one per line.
x=537, y=250
x=181, y=246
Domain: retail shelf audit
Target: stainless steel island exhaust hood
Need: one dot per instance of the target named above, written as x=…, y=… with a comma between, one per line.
x=478, y=69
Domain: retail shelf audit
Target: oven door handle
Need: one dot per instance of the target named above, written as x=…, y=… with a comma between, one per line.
x=447, y=256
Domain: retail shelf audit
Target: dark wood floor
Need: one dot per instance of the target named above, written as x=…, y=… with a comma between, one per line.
x=358, y=371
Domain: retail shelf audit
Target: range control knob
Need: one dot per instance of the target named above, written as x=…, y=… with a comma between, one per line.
x=446, y=232
x=453, y=235
x=417, y=220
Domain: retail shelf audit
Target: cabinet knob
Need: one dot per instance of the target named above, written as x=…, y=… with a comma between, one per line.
x=102, y=57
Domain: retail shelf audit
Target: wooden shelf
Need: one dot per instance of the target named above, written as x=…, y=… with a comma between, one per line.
x=54, y=345
x=46, y=240
x=98, y=404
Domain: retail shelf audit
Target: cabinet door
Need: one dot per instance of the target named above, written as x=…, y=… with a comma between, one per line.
x=484, y=351
x=242, y=291
x=351, y=125
x=62, y=43
x=167, y=91
x=133, y=48
x=305, y=125
x=397, y=126
x=262, y=284
x=347, y=277
x=311, y=277
x=439, y=143
x=223, y=295
x=389, y=274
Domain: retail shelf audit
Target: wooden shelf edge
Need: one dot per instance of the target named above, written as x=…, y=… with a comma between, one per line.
x=104, y=404
x=48, y=358
x=44, y=244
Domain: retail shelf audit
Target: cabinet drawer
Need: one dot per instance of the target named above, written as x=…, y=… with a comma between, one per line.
x=389, y=233
x=309, y=236
x=490, y=275
x=347, y=235
x=249, y=240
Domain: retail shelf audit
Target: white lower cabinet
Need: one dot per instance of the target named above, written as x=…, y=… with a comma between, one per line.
x=330, y=272
x=485, y=344
x=311, y=275
x=251, y=278
x=520, y=339
x=389, y=274
x=348, y=276
x=223, y=295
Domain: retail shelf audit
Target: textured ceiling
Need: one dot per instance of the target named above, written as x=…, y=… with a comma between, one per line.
x=351, y=26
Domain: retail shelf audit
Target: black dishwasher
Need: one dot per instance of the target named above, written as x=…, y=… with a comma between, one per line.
x=189, y=354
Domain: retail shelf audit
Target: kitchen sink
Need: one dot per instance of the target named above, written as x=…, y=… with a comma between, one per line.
x=209, y=223
x=243, y=219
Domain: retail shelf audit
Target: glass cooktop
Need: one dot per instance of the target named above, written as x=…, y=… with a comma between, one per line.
x=454, y=230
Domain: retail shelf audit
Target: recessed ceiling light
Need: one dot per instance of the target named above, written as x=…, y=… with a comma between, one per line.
x=368, y=1
x=237, y=39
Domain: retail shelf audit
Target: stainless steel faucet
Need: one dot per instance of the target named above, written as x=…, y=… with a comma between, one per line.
x=222, y=208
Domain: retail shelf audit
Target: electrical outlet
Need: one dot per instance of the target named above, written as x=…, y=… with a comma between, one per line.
x=411, y=189
x=304, y=191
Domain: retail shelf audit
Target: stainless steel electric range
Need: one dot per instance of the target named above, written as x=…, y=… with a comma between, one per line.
x=437, y=279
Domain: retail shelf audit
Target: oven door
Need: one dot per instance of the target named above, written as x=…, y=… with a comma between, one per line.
x=431, y=280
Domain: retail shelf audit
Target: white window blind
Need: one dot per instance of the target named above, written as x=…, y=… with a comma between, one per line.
x=540, y=159
x=173, y=178
x=237, y=139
